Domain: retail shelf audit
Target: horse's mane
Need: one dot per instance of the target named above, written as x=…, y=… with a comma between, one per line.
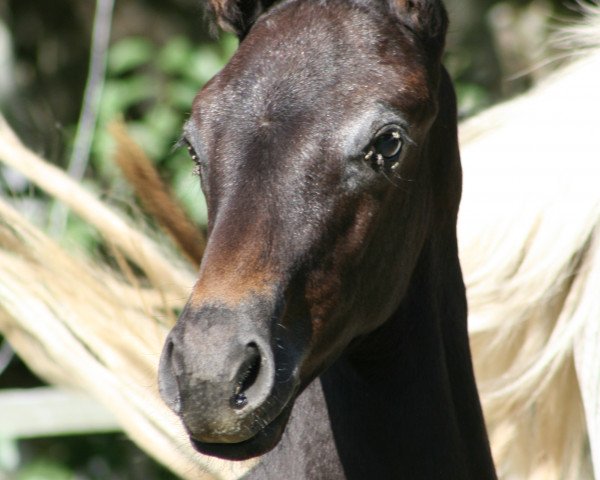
x=529, y=233
x=530, y=248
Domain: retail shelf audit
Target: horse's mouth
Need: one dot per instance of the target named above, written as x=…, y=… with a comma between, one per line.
x=262, y=442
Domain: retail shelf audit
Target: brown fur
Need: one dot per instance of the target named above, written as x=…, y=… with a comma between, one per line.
x=155, y=196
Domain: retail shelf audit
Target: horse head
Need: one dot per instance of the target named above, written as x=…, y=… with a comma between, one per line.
x=326, y=150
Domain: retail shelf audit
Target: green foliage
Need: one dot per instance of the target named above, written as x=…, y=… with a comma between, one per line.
x=153, y=88
x=44, y=469
x=471, y=95
x=471, y=98
x=129, y=54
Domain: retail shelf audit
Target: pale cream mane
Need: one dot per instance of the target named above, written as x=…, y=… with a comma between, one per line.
x=530, y=248
x=529, y=235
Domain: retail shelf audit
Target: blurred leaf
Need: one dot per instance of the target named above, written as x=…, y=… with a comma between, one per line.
x=205, y=62
x=229, y=44
x=181, y=94
x=457, y=63
x=155, y=146
x=44, y=470
x=175, y=56
x=471, y=98
x=121, y=94
x=128, y=54
x=163, y=121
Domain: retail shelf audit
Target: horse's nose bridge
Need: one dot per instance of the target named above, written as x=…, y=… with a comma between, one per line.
x=248, y=255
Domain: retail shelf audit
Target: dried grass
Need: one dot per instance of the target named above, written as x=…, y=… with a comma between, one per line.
x=80, y=324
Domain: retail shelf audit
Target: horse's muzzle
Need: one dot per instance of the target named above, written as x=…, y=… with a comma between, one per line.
x=218, y=373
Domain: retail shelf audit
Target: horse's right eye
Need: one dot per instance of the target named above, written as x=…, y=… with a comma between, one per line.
x=191, y=151
x=193, y=155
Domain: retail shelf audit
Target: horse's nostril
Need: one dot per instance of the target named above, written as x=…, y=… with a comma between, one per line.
x=246, y=377
x=167, y=379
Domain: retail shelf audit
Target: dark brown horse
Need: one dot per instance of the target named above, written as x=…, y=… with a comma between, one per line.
x=327, y=330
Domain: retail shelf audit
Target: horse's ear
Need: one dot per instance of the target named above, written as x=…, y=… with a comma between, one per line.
x=237, y=16
x=427, y=18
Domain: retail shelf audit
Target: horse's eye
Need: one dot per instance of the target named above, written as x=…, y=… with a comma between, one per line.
x=388, y=144
x=193, y=155
x=191, y=151
x=384, y=151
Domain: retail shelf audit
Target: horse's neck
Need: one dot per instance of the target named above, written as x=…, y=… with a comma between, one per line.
x=402, y=417
x=307, y=450
x=402, y=403
x=399, y=422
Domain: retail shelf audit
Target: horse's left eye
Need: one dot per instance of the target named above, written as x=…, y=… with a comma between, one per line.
x=384, y=150
x=388, y=144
